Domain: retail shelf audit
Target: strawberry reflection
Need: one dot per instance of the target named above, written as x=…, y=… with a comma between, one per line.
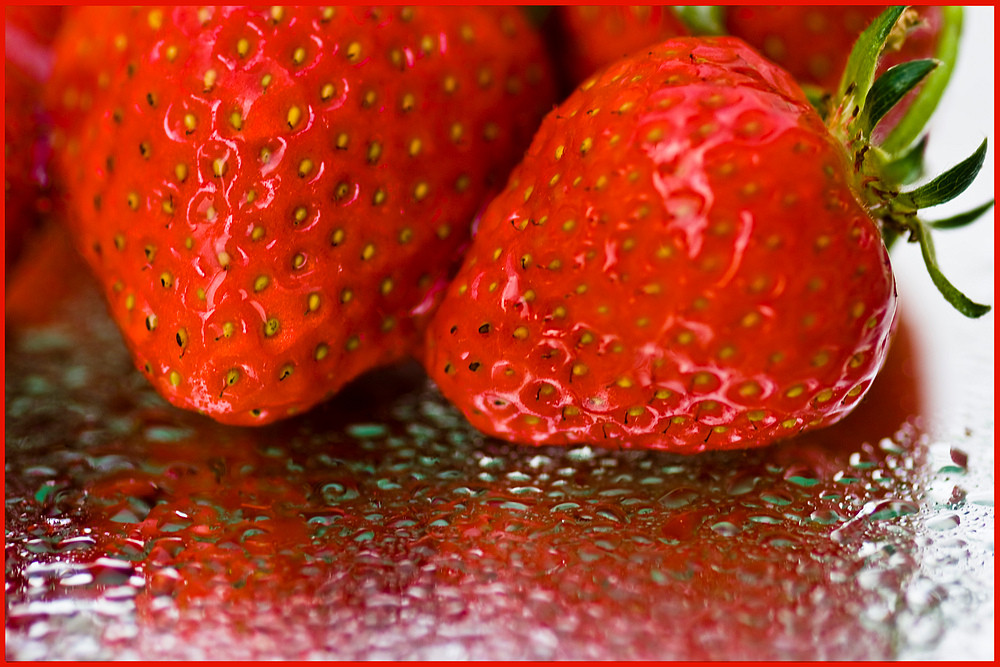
x=381, y=525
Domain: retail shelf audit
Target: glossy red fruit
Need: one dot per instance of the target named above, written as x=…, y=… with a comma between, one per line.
x=27, y=63
x=813, y=41
x=679, y=264
x=273, y=198
x=596, y=35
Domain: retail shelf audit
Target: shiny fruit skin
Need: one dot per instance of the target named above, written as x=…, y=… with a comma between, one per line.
x=679, y=263
x=273, y=198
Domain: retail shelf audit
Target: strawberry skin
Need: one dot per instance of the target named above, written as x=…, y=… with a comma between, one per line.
x=679, y=263
x=812, y=42
x=596, y=35
x=273, y=199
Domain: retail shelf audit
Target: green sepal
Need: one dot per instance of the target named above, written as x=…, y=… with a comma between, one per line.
x=890, y=88
x=863, y=60
x=948, y=185
x=912, y=124
x=962, y=219
x=952, y=295
x=909, y=166
x=702, y=19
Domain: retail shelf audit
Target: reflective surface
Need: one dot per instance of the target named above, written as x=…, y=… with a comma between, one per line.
x=381, y=526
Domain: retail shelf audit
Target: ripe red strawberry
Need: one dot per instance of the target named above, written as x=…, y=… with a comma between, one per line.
x=593, y=36
x=272, y=198
x=27, y=62
x=685, y=262
x=812, y=41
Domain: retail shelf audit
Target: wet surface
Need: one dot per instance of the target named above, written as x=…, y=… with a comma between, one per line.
x=381, y=526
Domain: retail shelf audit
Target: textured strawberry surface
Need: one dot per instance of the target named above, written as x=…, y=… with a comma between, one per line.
x=593, y=36
x=679, y=263
x=382, y=526
x=273, y=198
x=812, y=42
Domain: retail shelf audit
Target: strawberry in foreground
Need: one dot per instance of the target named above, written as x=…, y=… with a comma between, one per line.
x=272, y=199
x=688, y=259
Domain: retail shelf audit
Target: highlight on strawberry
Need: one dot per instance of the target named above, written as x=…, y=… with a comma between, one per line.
x=691, y=258
x=272, y=199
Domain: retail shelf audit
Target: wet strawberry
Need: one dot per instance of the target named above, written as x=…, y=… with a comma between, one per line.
x=27, y=62
x=686, y=262
x=593, y=36
x=272, y=198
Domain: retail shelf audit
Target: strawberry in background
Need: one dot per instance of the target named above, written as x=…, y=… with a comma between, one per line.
x=272, y=199
x=29, y=31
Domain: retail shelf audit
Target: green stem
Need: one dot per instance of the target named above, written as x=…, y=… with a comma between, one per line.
x=913, y=122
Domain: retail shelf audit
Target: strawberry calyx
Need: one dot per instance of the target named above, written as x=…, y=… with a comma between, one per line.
x=883, y=166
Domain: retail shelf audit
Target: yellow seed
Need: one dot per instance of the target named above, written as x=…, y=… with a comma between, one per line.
x=299, y=56
x=342, y=140
x=520, y=333
x=210, y=78
x=462, y=184
x=265, y=80
x=408, y=102
x=321, y=351
x=346, y=295
x=166, y=279
x=750, y=319
x=236, y=120
x=748, y=389
x=386, y=286
x=405, y=235
x=285, y=371
x=313, y=302
x=662, y=394
x=338, y=237
x=298, y=261
x=261, y=283
x=636, y=410
x=294, y=116
x=305, y=167
x=271, y=327
x=369, y=99
x=218, y=167
x=242, y=47
x=175, y=378
x=443, y=232
x=368, y=251
x=388, y=324
x=352, y=343
x=224, y=259
x=133, y=201
x=353, y=52
x=379, y=197
x=624, y=382
x=450, y=84
x=151, y=321
x=414, y=148
x=580, y=369
x=420, y=191
x=795, y=391
x=789, y=423
x=824, y=396
x=130, y=302
x=155, y=19
x=456, y=132
x=277, y=12
x=181, y=172
x=326, y=92
x=570, y=411
x=374, y=152
x=300, y=214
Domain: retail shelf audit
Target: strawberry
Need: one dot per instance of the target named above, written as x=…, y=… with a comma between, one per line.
x=812, y=41
x=272, y=198
x=27, y=62
x=596, y=35
x=686, y=259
